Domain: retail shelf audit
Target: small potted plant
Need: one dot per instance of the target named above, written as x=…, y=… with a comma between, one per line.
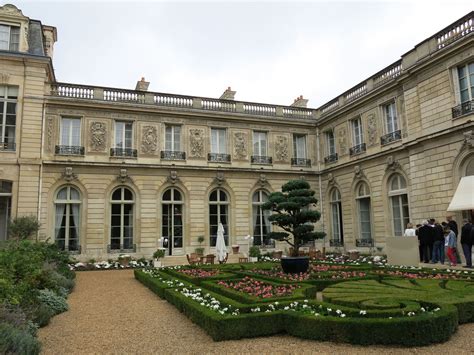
x=235, y=248
x=200, y=250
x=157, y=255
x=254, y=253
x=124, y=259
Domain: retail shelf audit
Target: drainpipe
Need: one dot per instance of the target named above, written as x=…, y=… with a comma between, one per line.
x=318, y=146
x=40, y=183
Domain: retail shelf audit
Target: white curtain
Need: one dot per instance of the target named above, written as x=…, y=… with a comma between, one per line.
x=75, y=217
x=59, y=218
x=256, y=230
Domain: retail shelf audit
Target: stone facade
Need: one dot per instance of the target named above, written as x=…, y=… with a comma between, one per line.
x=400, y=147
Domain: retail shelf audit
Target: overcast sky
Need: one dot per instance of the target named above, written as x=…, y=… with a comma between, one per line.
x=266, y=51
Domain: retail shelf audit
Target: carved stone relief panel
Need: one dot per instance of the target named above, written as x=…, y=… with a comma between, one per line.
x=282, y=153
x=240, y=146
x=50, y=134
x=97, y=136
x=196, y=143
x=342, y=140
x=372, y=130
x=149, y=139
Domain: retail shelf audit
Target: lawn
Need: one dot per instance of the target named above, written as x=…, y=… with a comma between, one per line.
x=359, y=302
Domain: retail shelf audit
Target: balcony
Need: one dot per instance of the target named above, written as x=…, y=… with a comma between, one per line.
x=364, y=243
x=218, y=158
x=357, y=149
x=301, y=162
x=332, y=158
x=261, y=159
x=123, y=152
x=7, y=146
x=463, y=109
x=69, y=150
x=173, y=155
x=391, y=137
x=336, y=243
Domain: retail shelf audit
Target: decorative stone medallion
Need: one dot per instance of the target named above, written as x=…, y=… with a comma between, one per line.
x=240, y=145
x=98, y=136
x=149, y=139
x=196, y=142
x=281, y=148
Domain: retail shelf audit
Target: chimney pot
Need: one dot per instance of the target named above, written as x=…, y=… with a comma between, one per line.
x=300, y=102
x=142, y=85
x=228, y=94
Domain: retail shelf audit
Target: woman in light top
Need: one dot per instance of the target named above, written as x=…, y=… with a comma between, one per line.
x=410, y=231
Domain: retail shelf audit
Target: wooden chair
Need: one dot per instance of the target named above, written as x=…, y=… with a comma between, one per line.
x=210, y=258
x=225, y=259
x=243, y=259
x=193, y=259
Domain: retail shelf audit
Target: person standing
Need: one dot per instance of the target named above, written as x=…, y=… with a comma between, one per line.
x=452, y=242
x=466, y=242
x=410, y=231
x=452, y=224
x=438, y=245
x=426, y=238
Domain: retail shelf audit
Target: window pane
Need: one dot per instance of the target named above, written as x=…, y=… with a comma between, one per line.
x=167, y=195
x=117, y=195
x=119, y=135
x=14, y=38
x=4, y=37
x=177, y=139
x=177, y=195
x=127, y=195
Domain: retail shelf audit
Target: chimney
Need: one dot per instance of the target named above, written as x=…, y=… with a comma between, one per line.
x=228, y=94
x=300, y=102
x=142, y=85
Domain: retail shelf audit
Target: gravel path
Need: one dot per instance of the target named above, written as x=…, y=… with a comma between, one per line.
x=112, y=313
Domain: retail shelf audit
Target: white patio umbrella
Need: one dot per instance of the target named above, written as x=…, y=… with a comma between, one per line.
x=221, y=248
x=463, y=198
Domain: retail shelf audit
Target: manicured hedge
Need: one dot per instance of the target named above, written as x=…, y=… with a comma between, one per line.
x=198, y=280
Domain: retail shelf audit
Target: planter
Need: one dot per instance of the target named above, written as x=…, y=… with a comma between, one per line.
x=156, y=263
x=124, y=260
x=277, y=254
x=235, y=249
x=253, y=259
x=295, y=265
x=353, y=254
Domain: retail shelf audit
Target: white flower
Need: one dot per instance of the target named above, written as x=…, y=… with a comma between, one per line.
x=363, y=312
x=338, y=311
x=343, y=315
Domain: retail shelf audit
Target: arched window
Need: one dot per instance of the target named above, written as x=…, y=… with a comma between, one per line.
x=172, y=220
x=336, y=219
x=470, y=167
x=363, y=210
x=121, y=219
x=67, y=218
x=5, y=207
x=399, y=203
x=218, y=212
x=261, y=224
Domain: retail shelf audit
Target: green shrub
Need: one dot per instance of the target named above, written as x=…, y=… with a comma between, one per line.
x=23, y=227
x=57, y=303
x=17, y=341
x=42, y=314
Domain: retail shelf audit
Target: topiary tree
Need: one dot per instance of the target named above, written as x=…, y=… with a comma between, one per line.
x=292, y=213
x=23, y=227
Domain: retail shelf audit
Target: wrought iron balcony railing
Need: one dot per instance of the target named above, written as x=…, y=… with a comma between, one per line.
x=336, y=243
x=463, y=109
x=332, y=158
x=218, y=157
x=301, y=162
x=69, y=150
x=173, y=155
x=8, y=146
x=261, y=159
x=357, y=149
x=391, y=137
x=123, y=152
x=364, y=242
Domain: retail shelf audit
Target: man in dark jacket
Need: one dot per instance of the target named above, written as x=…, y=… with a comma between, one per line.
x=426, y=238
x=438, y=245
x=466, y=242
x=452, y=225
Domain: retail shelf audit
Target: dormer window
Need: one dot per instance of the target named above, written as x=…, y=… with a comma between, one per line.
x=9, y=38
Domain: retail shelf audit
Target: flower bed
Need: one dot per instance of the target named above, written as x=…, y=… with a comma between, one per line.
x=259, y=288
x=200, y=272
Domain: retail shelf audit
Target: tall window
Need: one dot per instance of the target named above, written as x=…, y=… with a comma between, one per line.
x=299, y=146
x=9, y=38
x=399, y=203
x=357, y=131
x=70, y=132
x=123, y=135
x=67, y=221
x=8, y=101
x=5, y=207
x=218, y=212
x=218, y=141
x=261, y=224
x=466, y=82
x=173, y=138
x=391, y=121
x=172, y=220
x=336, y=218
x=363, y=209
x=330, y=142
x=260, y=143
x=121, y=219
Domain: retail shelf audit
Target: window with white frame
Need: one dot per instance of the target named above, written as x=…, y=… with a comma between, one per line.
x=9, y=38
x=330, y=142
x=299, y=146
x=172, y=220
x=466, y=82
x=260, y=143
x=363, y=209
x=67, y=218
x=121, y=219
x=218, y=141
x=336, y=218
x=399, y=203
x=261, y=223
x=391, y=120
x=8, y=106
x=123, y=135
x=173, y=138
x=218, y=213
x=357, y=131
x=70, y=131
